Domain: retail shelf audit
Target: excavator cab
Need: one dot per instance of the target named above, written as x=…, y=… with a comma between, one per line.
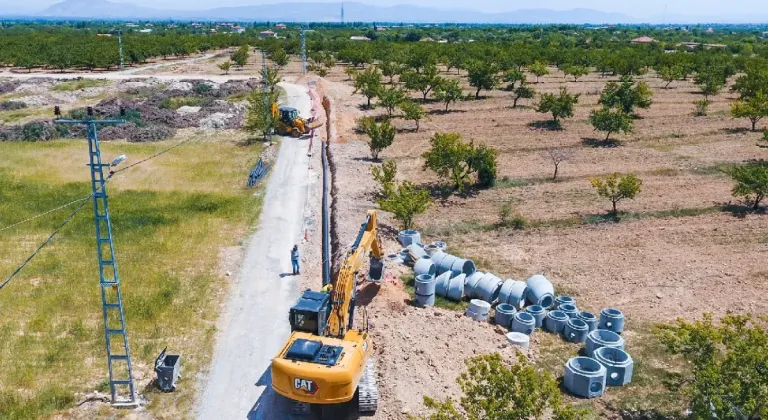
x=310, y=313
x=288, y=114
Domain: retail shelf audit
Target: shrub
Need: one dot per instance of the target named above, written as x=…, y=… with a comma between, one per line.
x=406, y=202
x=610, y=121
x=626, y=95
x=380, y=135
x=559, y=106
x=203, y=88
x=751, y=182
x=617, y=187
x=413, y=112
x=450, y=157
x=701, y=107
x=507, y=217
x=385, y=175
x=12, y=105
x=483, y=161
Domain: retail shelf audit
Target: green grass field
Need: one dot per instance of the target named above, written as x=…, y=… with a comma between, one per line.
x=172, y=218
x=73, y=85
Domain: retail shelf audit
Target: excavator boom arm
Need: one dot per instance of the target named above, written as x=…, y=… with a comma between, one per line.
x=367, y=243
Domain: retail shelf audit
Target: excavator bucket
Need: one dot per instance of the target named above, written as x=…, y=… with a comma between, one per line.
x=314, y=124
x=376, y=272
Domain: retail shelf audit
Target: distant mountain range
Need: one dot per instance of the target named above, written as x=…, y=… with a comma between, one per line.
x=327, y=12
x=359, y=12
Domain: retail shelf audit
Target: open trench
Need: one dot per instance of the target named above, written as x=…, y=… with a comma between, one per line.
x=331, y=246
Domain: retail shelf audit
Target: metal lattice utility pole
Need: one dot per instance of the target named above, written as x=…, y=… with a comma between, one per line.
x=303, y=51
x=264, y=69
x=120, y=42
x=116, y=337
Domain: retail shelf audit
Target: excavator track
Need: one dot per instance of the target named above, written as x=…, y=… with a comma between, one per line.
x=368, y=389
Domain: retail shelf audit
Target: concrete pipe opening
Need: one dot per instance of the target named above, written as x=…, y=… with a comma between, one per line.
x=585, y=365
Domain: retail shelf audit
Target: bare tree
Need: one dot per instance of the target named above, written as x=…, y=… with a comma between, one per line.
x=558, y=156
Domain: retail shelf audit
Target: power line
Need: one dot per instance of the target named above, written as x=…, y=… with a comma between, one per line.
x=34, y=254
x=150, y=158
x=44, y=214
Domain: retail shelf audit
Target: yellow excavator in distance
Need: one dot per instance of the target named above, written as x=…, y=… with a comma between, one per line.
x=290, y=124
x=326, y=363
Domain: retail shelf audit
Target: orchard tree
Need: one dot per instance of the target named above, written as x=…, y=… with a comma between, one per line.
x=272, y=79
x=385, y=175
x=413, y=112
x=711, y=81
x=423, y=82
x=280, y=58
x=406, y=202
x=559, y=106
x=483, y=162
x=225, y=66
x=626, y=95
x=513, y=77
x=670, y=73
x=482, y=75
x=558, y=156
x=617, y=187
x=610, y=121
x=753, y=81
x=576, y=71
x=448, y=91
x=753, y=108
x=449, y=158
x=351, y=73
x=727, y=376
x=368, y=83
x=260, y=119
x=496, y=390
x=751, y=182
x=391, y=98
x=381, y=135
x=390, y=69
x=522, y=92
x=538, y=69
x=240, y=57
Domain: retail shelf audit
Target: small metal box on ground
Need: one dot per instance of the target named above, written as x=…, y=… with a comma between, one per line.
x=168, y=370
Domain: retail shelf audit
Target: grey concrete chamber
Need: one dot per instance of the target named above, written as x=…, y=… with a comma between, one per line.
x=424, y=265
x=504, y=314
x=584, y=377
x=455, y=290
x=618, y=364
x=555, y=321
x=568, y=309
x=408, y=237
x=562, y=300
x=523, y=322
x=538, y=314
x=611, y=319
x=603, y=338
x=589, y=318
x=421, y=300
x=478, y=310
x=519, y=339
x=441, y=284
x=575, y=331
x=540, y=291
x=471, y=281
x=425, y=284
x=513, y=292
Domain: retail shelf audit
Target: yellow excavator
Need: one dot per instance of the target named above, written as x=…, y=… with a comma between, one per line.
x=327, y=365
x=290, y=124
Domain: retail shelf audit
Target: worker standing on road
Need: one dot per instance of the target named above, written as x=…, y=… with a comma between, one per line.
x=295, y=259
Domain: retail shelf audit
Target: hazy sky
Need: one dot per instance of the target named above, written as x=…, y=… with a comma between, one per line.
x=645, y=8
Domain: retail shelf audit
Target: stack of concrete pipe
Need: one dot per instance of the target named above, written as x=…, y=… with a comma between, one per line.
x=425, y=290
x=450, y=287
x=447, y=262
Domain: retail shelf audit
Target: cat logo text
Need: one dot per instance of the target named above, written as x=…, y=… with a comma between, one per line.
x=305, y=385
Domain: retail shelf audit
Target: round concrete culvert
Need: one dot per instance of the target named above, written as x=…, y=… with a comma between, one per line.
x=523, y=322
x=470, y=282
x=602, y=338
x=575, y=331
x=538, y=314
x=513, y=292
x=584, y=377
x=445, y=263
x=424, y=265
x=519, y=339
x=540, y=291
x=589, y=318
x=421, y=300
x=442, y=284
x=431, y=250
x=478, y=310
x=555, y=321
x=425, y=285
x=487, y=288
x=455, y=288
x=504, y=314
x=611, y=319
x=564, y=300
x=405, y=256
x=462, y=266
x=570, y=310
x=618, y=363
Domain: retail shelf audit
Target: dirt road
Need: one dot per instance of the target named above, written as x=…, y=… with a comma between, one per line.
x=254, y=324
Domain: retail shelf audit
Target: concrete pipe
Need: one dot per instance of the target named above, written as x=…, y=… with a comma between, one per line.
x=487, y=288
x=540, y=291
x=555, y=321
x=462, y=266
x=504, y=314
x=478, y=310
x=575, y=331
x=425, y=285
x=421, y=300
x=440, y=245
x=416, y=252
x=519, y=339
x=470, y=282
x=513, y=292
x=523, y=322
x=603, y=338
x=408, y=237
x=405, y=256
x=570, y=310
x=562, y=300
x=538, y=314
x=442, y=283
x=611, y=319
x=424, y=265
x=585, y=377
x=618, y=364
x=445, y=263
x=455, y=290
x=431, y=250
x=589, y=318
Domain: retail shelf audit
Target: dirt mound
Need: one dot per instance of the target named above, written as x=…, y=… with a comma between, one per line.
x=9, y=86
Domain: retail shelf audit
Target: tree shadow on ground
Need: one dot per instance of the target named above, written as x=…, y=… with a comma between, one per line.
x=443, y=192
x=546, y=125
x=741, y=210
x=444, y=112
x=601, y=143
x=739, y=130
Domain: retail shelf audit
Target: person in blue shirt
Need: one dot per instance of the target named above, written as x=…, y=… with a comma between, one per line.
x=295, y=259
